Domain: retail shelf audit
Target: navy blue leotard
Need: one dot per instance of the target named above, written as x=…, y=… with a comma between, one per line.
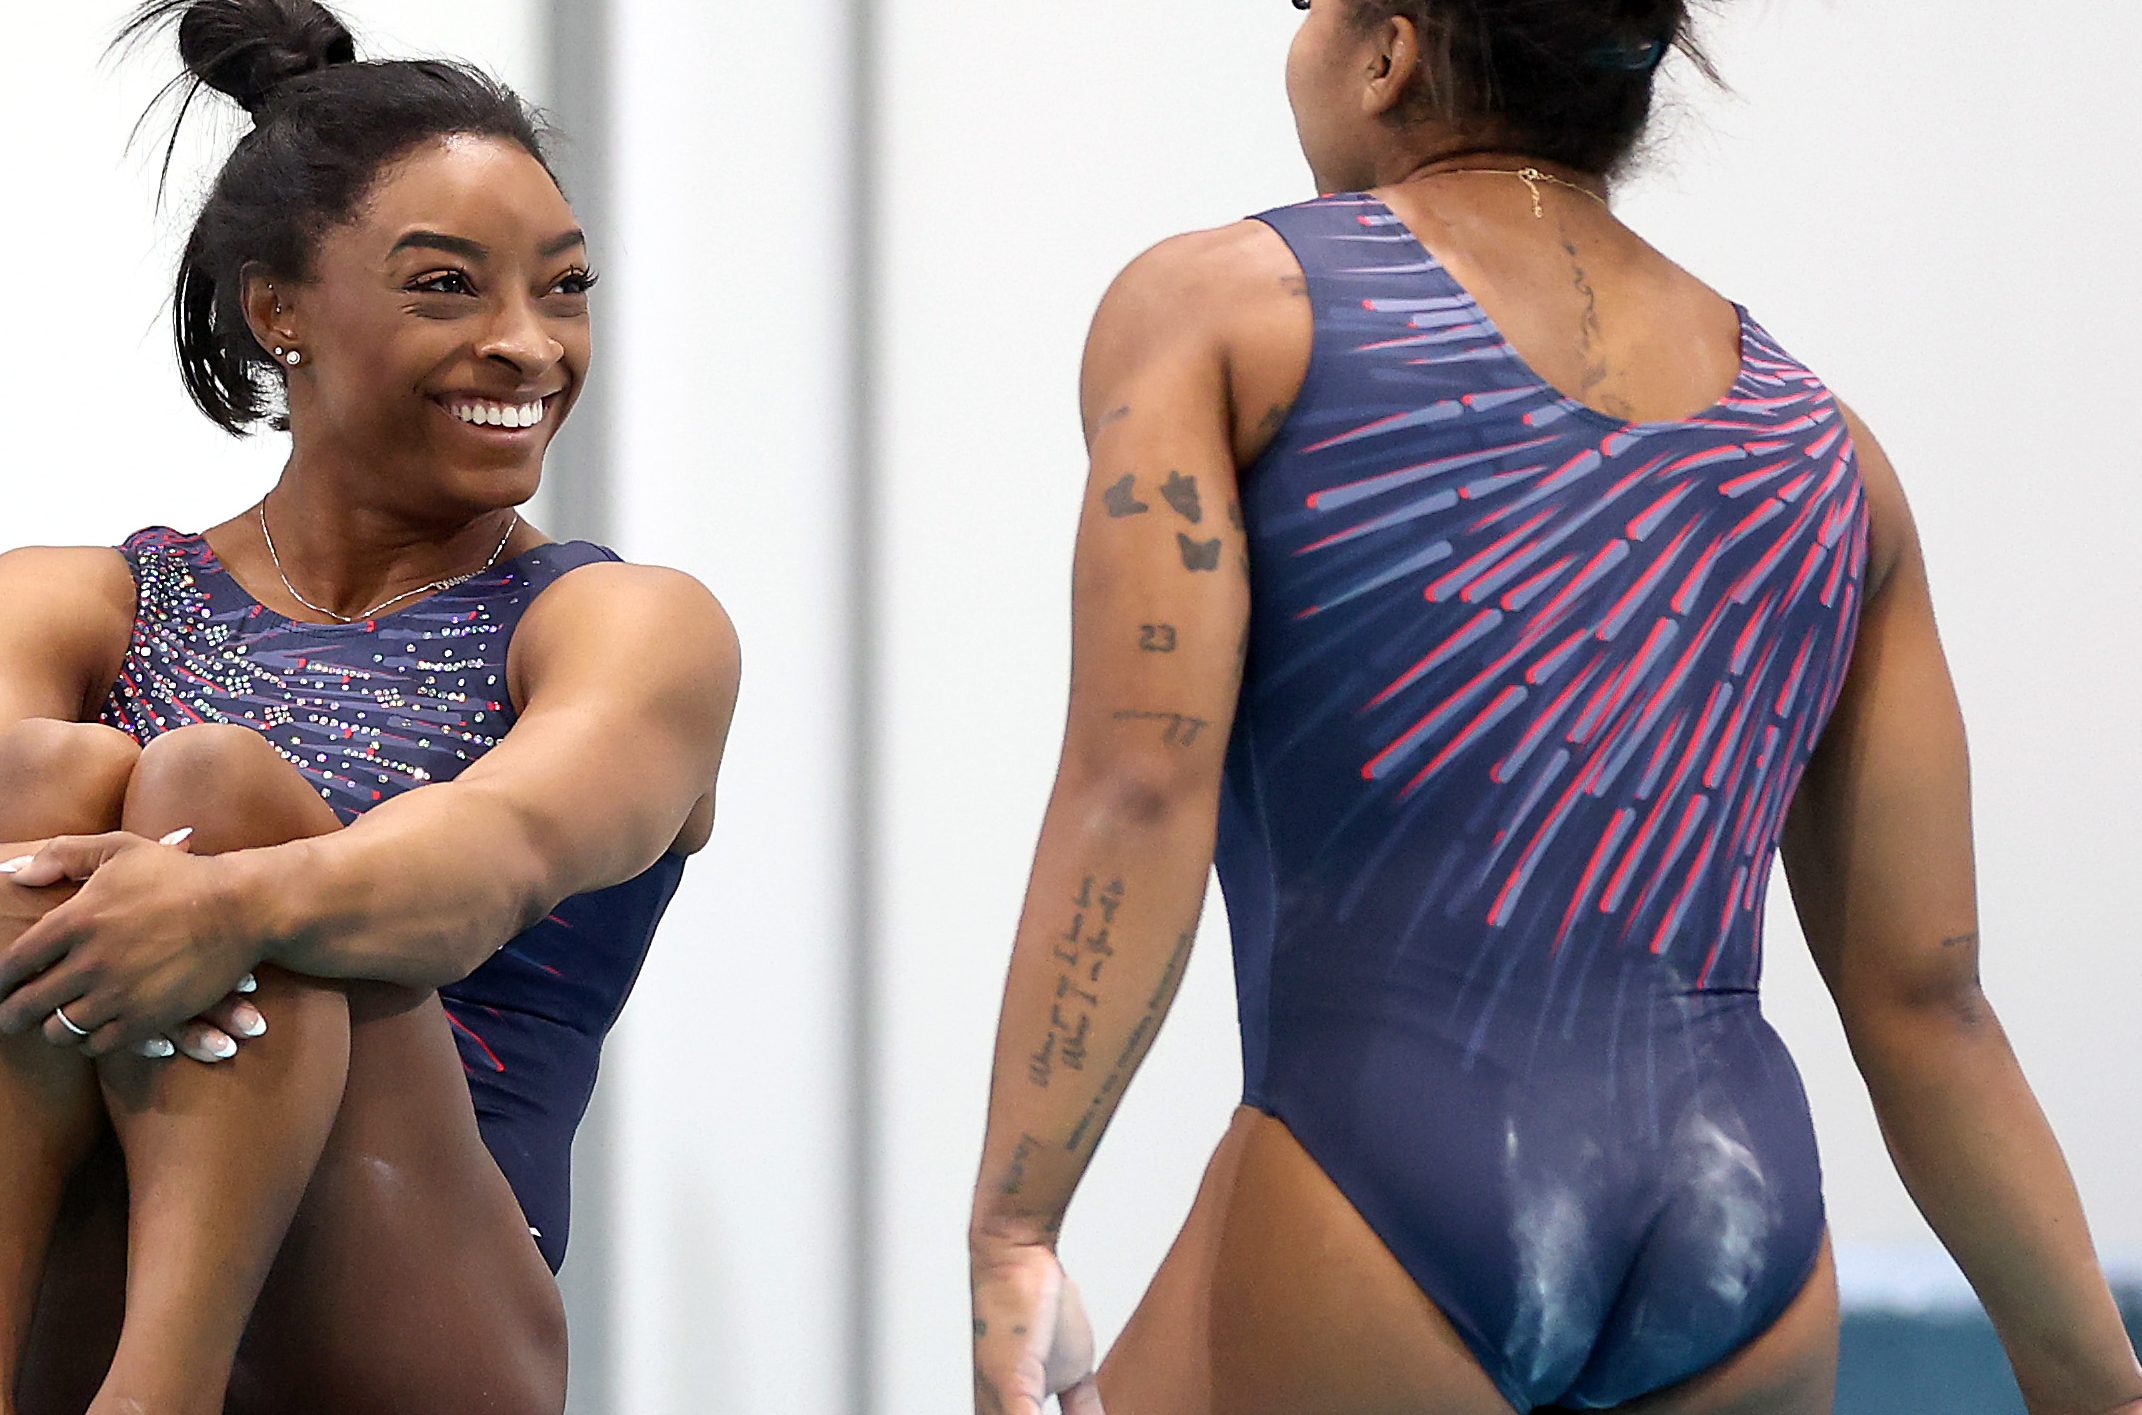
x=1529, y=690
x=367, y=711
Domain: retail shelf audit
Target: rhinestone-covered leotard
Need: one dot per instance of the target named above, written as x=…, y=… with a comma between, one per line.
x=367, y=711
x=1528, y=693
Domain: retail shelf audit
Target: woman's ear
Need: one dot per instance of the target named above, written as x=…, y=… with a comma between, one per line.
x=270, y=306
x=1394, y=65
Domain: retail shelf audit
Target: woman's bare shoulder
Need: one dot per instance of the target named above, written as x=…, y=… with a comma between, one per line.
x=78, y=582
x=1203, y=280
x=69, y=617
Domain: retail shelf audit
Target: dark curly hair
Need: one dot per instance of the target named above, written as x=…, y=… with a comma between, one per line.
x=325, y=125
x=1570, y=81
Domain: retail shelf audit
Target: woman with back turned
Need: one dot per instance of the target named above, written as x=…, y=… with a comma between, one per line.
x=1499, y=600
x=376, y=742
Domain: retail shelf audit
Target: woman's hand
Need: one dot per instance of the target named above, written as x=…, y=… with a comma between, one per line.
x=152, y=940
x=1031, y=1336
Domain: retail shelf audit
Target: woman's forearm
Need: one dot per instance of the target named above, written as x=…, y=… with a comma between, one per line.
x=1979, y=1159
x=1111, y=912
x=419, y=896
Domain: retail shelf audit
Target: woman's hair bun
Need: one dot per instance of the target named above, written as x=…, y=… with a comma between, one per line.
x=246, y=48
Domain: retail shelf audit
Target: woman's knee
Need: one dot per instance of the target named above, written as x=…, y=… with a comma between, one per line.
x=227, y=783
x=63, y=778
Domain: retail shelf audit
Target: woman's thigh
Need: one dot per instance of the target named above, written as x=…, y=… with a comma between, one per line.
x=1278, y=1299
x=409, y=1282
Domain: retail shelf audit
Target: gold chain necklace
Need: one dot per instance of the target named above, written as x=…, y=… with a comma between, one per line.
x=1532, y=177
x=435, y=587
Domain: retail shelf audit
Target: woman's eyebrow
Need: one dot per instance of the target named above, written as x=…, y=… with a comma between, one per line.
x=566, y=242
x=434, y=240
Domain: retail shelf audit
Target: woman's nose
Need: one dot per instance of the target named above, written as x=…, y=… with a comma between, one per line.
x=519, y=337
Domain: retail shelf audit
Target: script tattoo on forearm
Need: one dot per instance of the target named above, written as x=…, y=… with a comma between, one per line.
x=1158, y=638
x=1015, y=1171
x=1112, y=417
x=1083, y=950
x=1181, y=729
x=1136, y=1045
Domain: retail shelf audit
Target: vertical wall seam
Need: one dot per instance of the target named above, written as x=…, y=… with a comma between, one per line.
x=864, y=240
x=580, y=480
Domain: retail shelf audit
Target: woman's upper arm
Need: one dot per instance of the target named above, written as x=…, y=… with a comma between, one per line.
x=1161, y=577
x=627, y=676
x=66, y=616
x=1878, y=842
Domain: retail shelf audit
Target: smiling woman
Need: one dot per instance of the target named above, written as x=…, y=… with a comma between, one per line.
x=351, y=1197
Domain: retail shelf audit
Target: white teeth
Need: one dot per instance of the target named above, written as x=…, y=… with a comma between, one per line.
x=498, y=414
x=513, y=415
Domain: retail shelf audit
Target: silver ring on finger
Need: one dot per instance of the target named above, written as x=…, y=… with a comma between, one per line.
x=68, y=1022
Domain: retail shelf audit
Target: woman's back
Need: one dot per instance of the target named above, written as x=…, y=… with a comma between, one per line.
x=1528, y=691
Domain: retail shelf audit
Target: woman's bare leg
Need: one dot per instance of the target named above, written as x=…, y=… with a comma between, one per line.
x=217, y=1157
x=408, y=1281
x=1278, y=1297
x=55, y=779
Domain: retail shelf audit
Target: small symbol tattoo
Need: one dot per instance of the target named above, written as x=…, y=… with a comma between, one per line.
x=1179, y=729
x=1122, y=501
x=1199, y=554
x=1157, y=638
x=1181, y=493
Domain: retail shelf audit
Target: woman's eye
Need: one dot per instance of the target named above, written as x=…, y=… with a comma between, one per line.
x=579, y=282
x=446, y=282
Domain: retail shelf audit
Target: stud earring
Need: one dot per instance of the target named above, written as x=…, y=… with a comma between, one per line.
x=293, y=358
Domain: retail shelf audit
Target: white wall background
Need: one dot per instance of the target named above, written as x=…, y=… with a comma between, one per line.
x=727, y=355
x=1918, y=196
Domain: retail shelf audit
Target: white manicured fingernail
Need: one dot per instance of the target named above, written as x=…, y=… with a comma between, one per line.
x=223, y=1048
x=250, y=1023
x=157, y=1049
x=177, y=837
x=17, y=866
x=248, y=983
